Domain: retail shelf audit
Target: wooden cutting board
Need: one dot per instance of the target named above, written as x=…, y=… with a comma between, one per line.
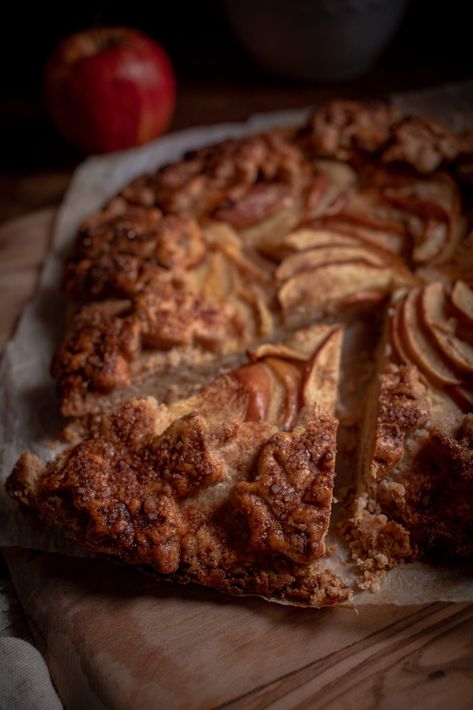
x=115, y=639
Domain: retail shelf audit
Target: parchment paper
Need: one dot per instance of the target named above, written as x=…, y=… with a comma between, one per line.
x=29, y=418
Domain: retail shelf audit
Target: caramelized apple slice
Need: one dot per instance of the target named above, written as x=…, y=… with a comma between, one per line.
x=355, y=226
x=260, y=202
x=321, y=374
x=326, y=285
x=419, y=348
x=313, y=258
x=438, y=192
x=364, y=214
x=284, y=378
x=329, y=189
x=316, y=385
x=394, y=336
x=256, y=381
x=290, y=377
x=268, y=237
x=338, y=174
x=432, y=244
x=433, y=205
x=462, y=301
x=433, y=308
x=314, y=238
x=322, y=199
x=275, y=350
x=372, y=298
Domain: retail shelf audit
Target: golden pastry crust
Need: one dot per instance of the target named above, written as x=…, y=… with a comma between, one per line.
x=402, y=409
x=434, y=502
x=192, y=316
x=288, y=505
x=349, y=130
x=123, y=255
x=105, y=339
x=340, y=129
x=423, y=143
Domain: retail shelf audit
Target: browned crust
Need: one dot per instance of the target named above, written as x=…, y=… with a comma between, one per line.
x=124, y=254
x=340, y=128
x=378, y=542
x=422, y=511
x=105, y=339
x=402, y=409
x=349, y=130
x=423, y=143
x=435, y=503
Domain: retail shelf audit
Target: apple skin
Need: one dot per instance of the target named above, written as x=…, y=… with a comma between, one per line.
x=109, y=88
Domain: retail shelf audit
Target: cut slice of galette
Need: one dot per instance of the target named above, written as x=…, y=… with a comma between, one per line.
x=415, y=487
x=231, y=488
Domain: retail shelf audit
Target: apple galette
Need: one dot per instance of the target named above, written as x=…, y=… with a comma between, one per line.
x=202, y=468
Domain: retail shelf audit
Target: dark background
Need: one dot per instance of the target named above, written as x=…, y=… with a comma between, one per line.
x=217, y=80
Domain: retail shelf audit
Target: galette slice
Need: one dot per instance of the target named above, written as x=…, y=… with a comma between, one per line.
x=231, y=488
x=415, y=489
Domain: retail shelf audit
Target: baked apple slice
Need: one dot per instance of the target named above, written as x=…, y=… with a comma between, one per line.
x=431, y=209
x=312, y=238
x=325, y=193
x=331, y=186
x=356, y=225
x=462, y=302
x=311, y=288
x=395, y=328
x=418, y=346
x=231, y=488
x=441, y=327
x=321, y=256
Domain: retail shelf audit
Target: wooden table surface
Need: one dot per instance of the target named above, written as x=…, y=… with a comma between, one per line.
x=115, y=639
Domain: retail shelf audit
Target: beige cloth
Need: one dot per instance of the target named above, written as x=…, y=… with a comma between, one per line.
x=25, y=683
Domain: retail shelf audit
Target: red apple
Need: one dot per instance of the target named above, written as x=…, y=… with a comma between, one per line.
x=109, y=88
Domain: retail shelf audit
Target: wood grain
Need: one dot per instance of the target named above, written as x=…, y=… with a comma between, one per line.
x=113, y=638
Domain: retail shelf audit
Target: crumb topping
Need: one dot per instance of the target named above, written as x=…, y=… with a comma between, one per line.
x=348, y=130
x=105, y=339
x=422, y=143
x=434, y=500
x=120, y=256
x=341, y=127
x=288, y=504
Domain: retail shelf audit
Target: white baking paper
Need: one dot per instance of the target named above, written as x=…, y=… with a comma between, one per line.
x=29, y=418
